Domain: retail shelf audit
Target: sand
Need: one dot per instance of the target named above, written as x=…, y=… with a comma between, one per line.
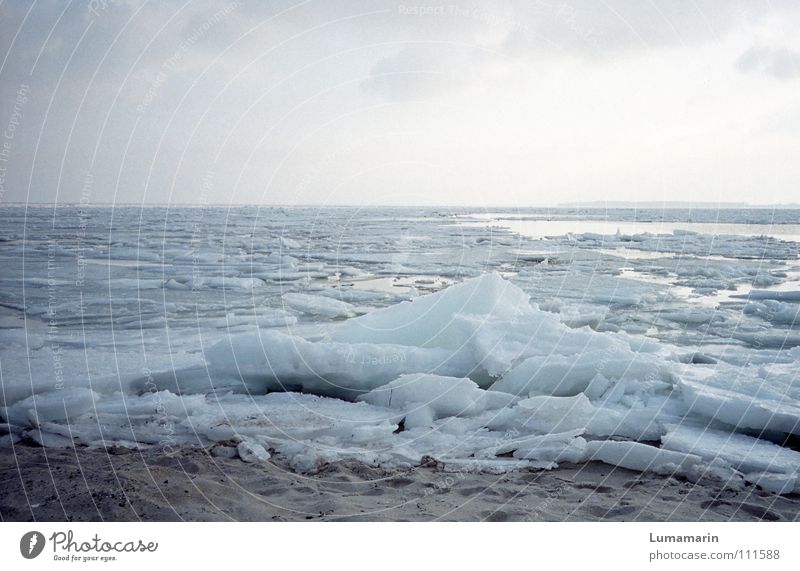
x=123, y=485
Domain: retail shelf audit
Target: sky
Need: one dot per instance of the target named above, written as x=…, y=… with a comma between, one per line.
x=506, y=103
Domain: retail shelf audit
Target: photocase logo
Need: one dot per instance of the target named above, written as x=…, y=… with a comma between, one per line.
x=31, y=544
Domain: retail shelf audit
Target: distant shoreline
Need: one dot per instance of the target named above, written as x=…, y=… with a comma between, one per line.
x=461, y=208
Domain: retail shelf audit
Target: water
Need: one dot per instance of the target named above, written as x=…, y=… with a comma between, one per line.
x=539, y=229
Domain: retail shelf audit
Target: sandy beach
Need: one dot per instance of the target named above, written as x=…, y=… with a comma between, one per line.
x=127, y=485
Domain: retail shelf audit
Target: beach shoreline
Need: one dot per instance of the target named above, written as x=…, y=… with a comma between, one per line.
x=189, y=484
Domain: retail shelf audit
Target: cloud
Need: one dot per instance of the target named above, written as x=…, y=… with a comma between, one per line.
x=588, y=28
x=780, y=63
x=426, y=70
x=488, y=94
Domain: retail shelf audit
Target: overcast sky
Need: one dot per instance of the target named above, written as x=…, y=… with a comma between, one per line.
x=489, y=103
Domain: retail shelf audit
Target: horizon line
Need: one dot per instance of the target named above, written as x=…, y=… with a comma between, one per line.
x=564, y=205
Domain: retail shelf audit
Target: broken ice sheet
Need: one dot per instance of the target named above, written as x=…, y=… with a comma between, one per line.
x=253, y=345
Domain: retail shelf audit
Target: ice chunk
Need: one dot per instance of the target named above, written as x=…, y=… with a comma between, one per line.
x=289, y=243
x=641, y=457
x=150, y=403
x=222, y=451
x=172, y=283
x=694, y=316
x=572, y=451
x=617, y=297
x=58, y=405
x=427, y=321
x=318, y=305
x=776, y=312
x=742, y=452
x=222, y=282
x=777, y=295
x=568, y=375
x=491, y=466
x=420, y=415
x=47, y=439
x=251, y=451
x=9, y=440
x=774, y=483
x=274, y=361
x=270, y=318
x=546, y=414
x=533, y=442
x=576, y=317
x=443, y=396
x=767, y=339
x=752, y=407
x=552, y=414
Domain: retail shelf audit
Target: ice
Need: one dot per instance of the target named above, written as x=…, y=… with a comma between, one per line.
x=271, y=360
x=775, y=312
x=765, y=339
x=548, y=414
x=696, y=244
x=559, y=447
x=776, y=295
x=749, y=407
x=49, y=439
x=514, y=353
x=744, y=453
x=9, y=440
x=57, y=405
x=536, y=441
x=265, y=319
x=617, y=297
x=576, y=317
x=319, y=305
x=251, y=451
x=641, y=457
x=497, y=467
x=486, y=320
x=351, y=295
x=775, y=483
x=201, y=283
x=425, y=321
x=586, y=371
x=289, y=243
x=695, y=316
x=442, y=396
x=149, y=403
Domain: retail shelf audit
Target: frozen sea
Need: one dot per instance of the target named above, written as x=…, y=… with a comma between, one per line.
x=665, y=341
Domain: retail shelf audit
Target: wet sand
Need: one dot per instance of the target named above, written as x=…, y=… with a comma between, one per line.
x=149, y=485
